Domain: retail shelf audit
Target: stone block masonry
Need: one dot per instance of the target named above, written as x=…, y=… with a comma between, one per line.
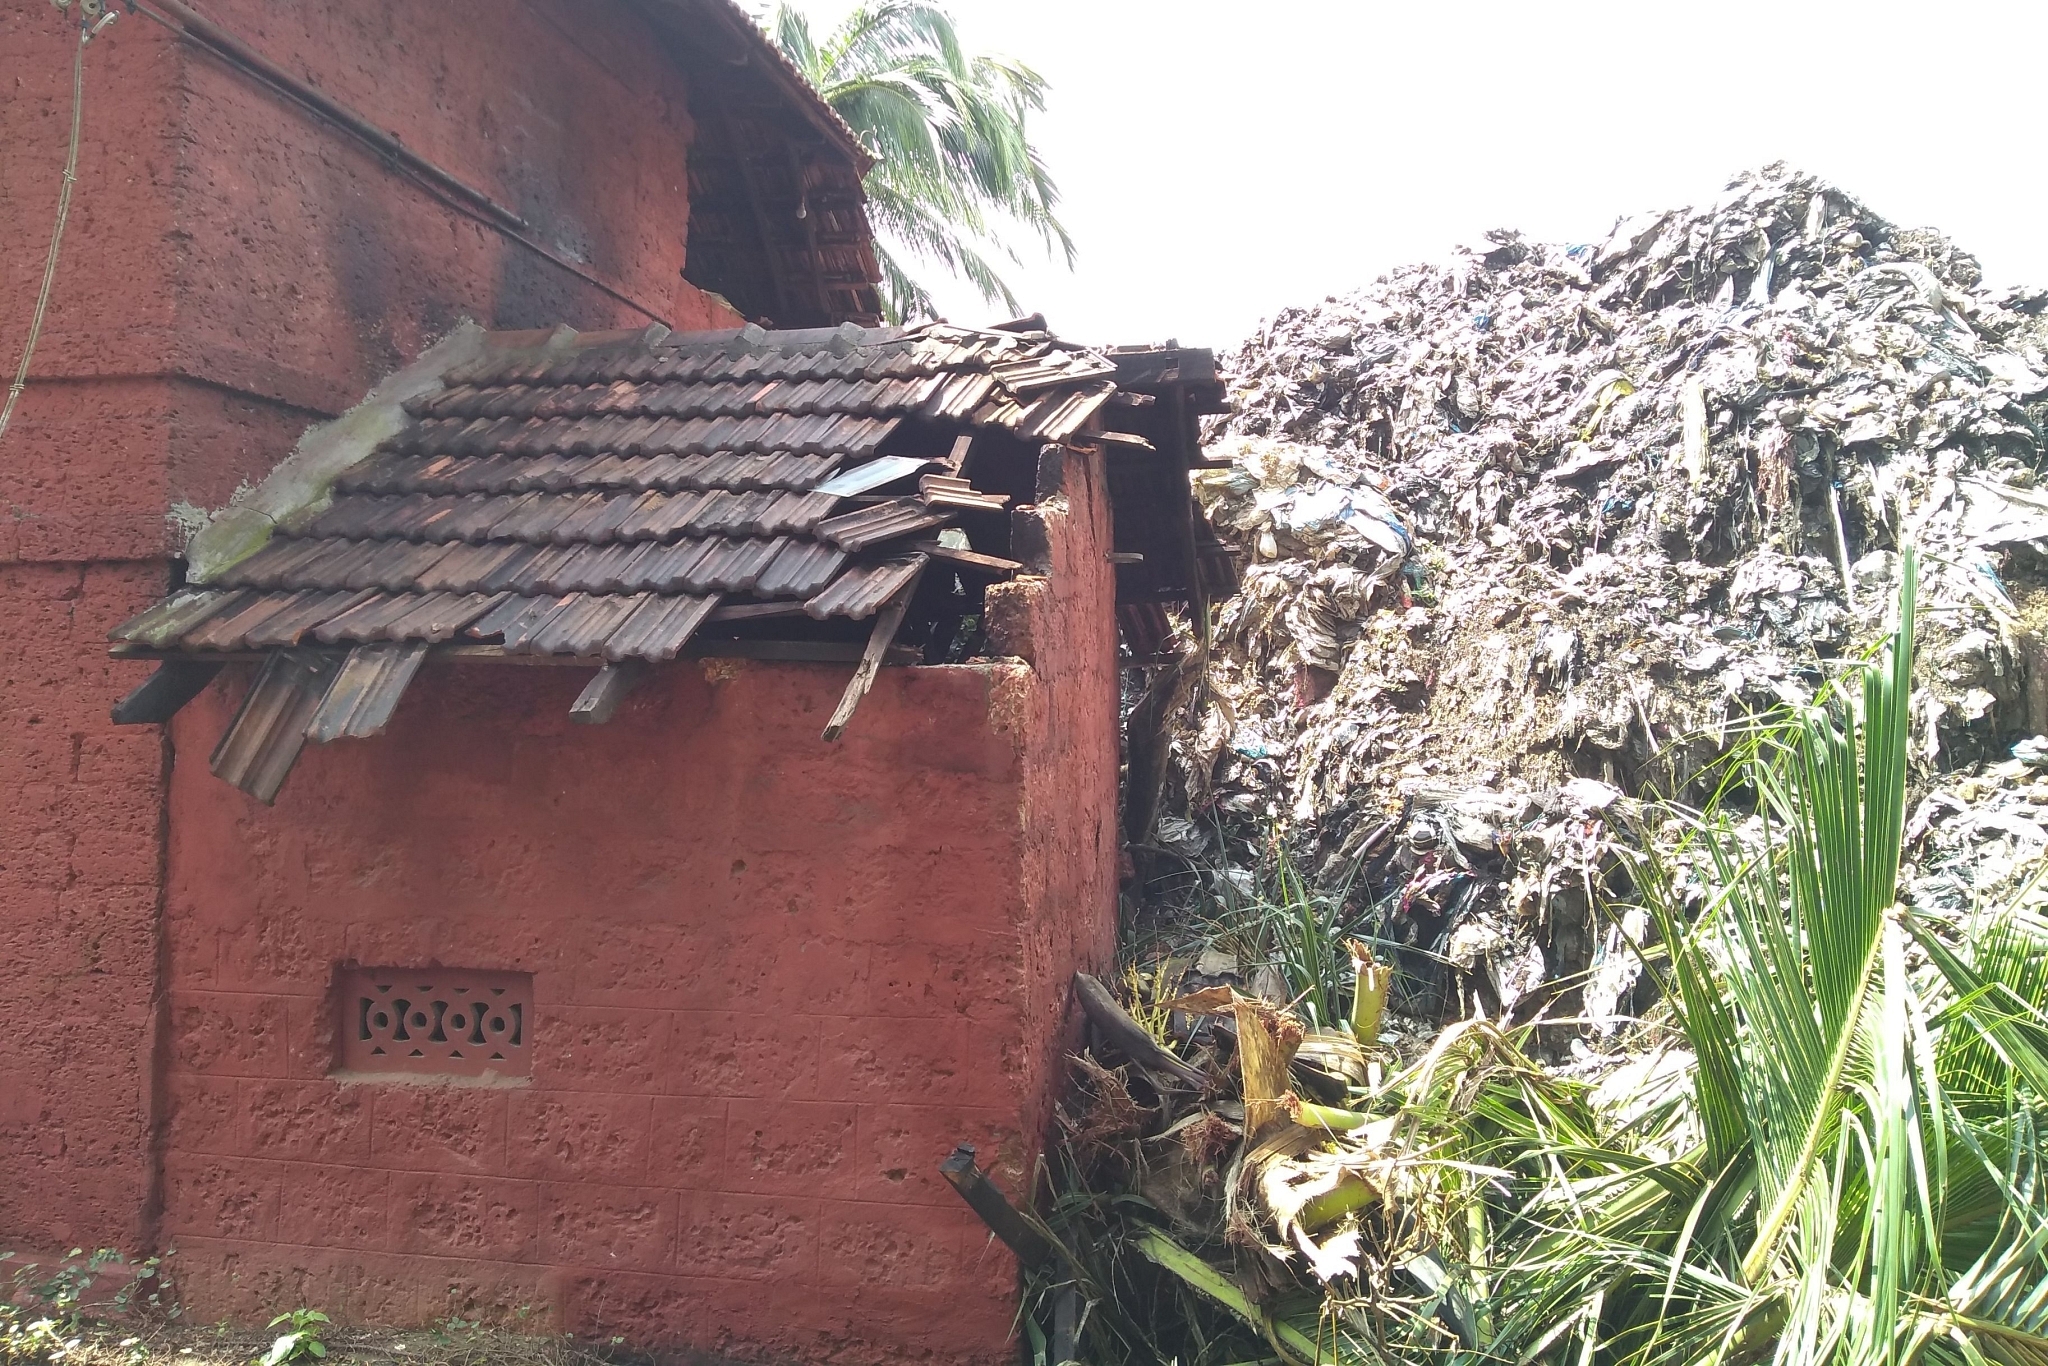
x=233, y=272
x=773, y=983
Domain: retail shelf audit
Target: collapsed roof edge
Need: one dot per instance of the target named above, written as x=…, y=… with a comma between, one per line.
x=759, y=49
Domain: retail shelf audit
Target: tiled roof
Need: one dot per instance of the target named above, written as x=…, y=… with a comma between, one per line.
x=609, y=501
x=768, y=59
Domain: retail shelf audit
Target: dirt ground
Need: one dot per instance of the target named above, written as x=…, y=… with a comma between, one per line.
x=454, y=1343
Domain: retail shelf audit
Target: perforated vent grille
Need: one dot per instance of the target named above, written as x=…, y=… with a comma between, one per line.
x=449, y=1022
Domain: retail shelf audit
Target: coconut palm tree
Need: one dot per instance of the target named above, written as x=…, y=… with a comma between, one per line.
x=954, y=163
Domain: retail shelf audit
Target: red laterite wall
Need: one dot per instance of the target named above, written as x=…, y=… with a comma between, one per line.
x=774, y=981
x=234, y=270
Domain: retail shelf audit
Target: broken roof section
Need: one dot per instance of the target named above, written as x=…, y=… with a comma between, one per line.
x=623, y=499
x=778, y=216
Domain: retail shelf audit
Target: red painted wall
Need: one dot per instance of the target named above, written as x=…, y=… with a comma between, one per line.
x=775, y=981
x=233, y=271
x=1066, y=626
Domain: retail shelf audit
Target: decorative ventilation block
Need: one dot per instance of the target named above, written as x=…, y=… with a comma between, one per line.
x=437, y=1022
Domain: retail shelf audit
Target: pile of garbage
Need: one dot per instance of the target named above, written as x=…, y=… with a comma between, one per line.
x=1977, y=838
x=1541, y=530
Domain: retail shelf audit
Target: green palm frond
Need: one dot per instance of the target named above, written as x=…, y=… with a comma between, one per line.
x=954, y=163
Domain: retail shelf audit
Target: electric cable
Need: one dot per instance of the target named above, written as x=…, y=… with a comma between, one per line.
x=87, y=28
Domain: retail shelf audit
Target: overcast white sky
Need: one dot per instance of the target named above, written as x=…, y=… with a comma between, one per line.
x=1221, y=161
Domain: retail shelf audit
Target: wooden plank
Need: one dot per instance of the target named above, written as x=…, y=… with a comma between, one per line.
x=995, y=1210
x=606, y=690
x=771, y=245
x=968, y=559
x=887, y=622
x=158, y=697
x=958, y=456
x=795, y=651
